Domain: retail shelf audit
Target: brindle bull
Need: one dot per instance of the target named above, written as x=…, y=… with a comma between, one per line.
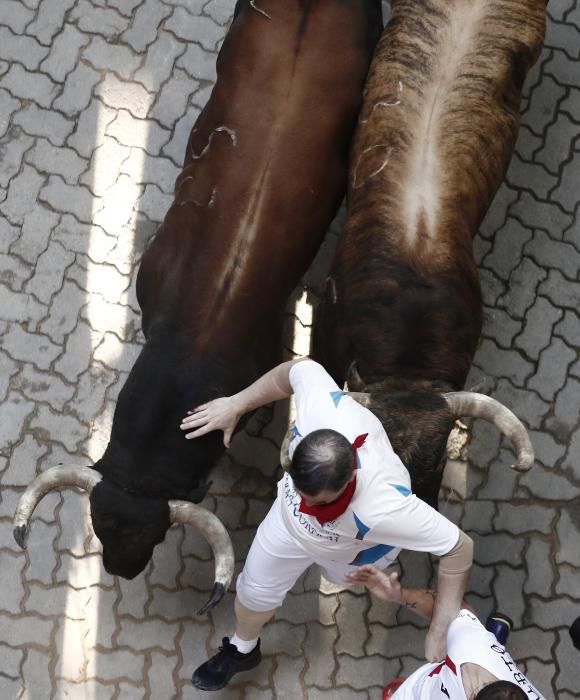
x=264, y=172
x=402, y=312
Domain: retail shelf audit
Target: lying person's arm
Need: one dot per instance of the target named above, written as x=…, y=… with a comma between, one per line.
x=224, y=413
x=386, y=586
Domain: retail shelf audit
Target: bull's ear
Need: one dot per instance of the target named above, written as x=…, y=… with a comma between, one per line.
x=354, y=381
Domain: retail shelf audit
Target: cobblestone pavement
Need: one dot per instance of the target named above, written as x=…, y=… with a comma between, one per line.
x=96, y=100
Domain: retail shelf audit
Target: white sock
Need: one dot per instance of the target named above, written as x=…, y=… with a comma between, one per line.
x=243, y=646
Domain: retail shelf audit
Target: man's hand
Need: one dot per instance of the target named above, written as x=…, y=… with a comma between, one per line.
x=384, y=586
x=436, y=644
x=219, y=414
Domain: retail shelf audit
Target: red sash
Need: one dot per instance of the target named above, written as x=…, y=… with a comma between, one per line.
x=331, y=511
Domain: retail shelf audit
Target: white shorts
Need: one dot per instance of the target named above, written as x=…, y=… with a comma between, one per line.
x=274, y=563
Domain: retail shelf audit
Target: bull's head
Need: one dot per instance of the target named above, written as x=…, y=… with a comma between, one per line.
x=129, y=536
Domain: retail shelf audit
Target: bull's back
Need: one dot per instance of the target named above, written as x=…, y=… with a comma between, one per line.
x=436, y=133
x=265, y=167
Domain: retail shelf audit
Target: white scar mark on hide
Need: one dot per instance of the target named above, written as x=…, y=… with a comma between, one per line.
x=253, y=6
x=385, y=103
x=220, y=129
x=425, y=167
x=355, y=184
x=191, y=200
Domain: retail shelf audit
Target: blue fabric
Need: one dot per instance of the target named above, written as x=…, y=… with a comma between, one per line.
x=336, y=396
x=402, y=489
x=371, y=555
x=362, y=528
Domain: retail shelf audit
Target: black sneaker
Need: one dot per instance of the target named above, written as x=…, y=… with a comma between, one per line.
x=216, y=672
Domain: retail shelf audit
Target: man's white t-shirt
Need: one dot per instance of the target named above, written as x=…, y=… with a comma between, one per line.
x=467, y=642
x=383, y=516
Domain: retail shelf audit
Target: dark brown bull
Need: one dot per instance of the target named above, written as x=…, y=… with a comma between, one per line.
x=402, y=313
x=264, y=173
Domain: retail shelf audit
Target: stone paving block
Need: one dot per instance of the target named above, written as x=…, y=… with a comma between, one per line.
x=74, y=523
x=15, y=15
x=320, y=655
x=143, y=28
x=153, y=203
x=344, y=693
x=13, y=591
x=523, y=283
x=538, y=328
x=361, y=673
x=394, y=642
x=173, y=98
x=480, y=579
x=539, y=567
x=159, y=675
x=557, y=144
x=508, y=364
x=64, y=52
x=158, y=65
x=8, y=369
x=8, y=235
x=14, y=411
x=509, y=580
x=79, y=573
x=131, y=132
x=568, y=583
x=115, y=665
x=280, y=637
x=563, y=193
x=28, y=52
x=106, y=56
x=92, y=386
x=65, y=307
x=500, y=327
x=15, y=272
x=26, y=630
x=112, y=352
x=175, y=148
x=496, y=215
x=78, y=90
x=23, y=462
x=543, y=103
x=62, y=161
x=19, y=305
x=527, y=405
x=73, y=362
x=286, y=681
x=569, y=329
x=501, y=479
x=350, y=619
x=498, y=548
x=119, y=94
x=85, y=689
x=147, y=634
x=525, y=517
x=549, y=614
x=43, y=122
x=531, y=641
x=91, y=127
x=49, y=19
x=198, y=63
x=534, y=213
x=9, y=688
x=541, y=671
x=8, y=106
x=10, y=660
x=14, y=146
x=527, y=144
x=221, y=11
x=49, y=274
x=544, y=483
x=39, y=386
x=485, y=438
x=36, y=674
x=530, y=176
x=200, y=29
x=68, y=199
x=29, y=86
x=478, y=516
x=566, y=409
x=105, y=21
x=134, y=598
x=36, y=232
x=308, y=607
x=561, y=291
x=568, y=535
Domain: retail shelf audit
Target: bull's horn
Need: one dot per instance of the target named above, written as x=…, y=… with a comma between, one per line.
x=359, y=396
x=466, y=403
x=53, y=478
x=186, y=513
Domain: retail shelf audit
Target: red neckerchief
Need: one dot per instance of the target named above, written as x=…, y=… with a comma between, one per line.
x=331, y=511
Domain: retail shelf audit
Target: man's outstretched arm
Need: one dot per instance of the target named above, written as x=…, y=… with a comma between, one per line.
x=224, y=413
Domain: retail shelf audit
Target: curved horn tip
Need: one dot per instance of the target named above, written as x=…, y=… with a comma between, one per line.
x=19, y=533
x=217, y=594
